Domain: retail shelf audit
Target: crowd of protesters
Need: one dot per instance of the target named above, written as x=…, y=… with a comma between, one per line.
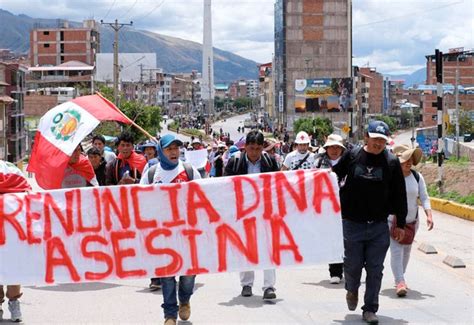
x=372, y=189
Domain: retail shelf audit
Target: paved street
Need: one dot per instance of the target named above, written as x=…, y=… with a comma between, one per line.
x=438, y=294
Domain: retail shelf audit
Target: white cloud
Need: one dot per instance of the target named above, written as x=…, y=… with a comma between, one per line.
x=393, y=35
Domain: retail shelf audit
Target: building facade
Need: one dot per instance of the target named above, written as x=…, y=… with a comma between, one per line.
x=53, y=46
x=312, y=40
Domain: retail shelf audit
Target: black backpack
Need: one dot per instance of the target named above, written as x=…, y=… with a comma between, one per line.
x=187, y=167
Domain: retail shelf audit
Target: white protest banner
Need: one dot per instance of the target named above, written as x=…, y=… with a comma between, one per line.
x=197, y=158
x=257, y=221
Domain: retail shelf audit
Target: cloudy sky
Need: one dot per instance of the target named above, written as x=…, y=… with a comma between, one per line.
x=391, y=35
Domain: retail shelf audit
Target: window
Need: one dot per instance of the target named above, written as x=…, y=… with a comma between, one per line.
x=46, y=32
x=46, y=45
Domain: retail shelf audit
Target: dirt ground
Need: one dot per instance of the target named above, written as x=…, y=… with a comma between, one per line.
x=456, y=178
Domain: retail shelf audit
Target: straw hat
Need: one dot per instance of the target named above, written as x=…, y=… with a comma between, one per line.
x=404, y=153
x=269, y=145
x=334, y=140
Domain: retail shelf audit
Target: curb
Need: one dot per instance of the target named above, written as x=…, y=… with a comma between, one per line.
x=456, y=209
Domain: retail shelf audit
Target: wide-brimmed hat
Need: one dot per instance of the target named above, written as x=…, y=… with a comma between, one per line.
x=334, y=140
x=269, y=145
x=404, y=153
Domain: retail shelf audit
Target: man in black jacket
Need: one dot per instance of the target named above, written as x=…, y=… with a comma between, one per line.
x=254, y=161
x=372, y=187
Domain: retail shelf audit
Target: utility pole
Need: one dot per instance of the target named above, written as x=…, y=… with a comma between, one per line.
x=439, y=93
x=116, y=26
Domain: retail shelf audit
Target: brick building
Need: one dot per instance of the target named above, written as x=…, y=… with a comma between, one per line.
x=312, y=40
x=53, y=46
x=266, y=89
x=455, y=60
x=373, y=90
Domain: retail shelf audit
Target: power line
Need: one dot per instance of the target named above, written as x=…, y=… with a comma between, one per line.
x=129, y=10
x=415, y=13
x=108, y=12
x=150, y=12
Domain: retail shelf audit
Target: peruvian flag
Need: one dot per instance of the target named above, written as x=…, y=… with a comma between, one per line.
x=61, y=130
x=12, y=179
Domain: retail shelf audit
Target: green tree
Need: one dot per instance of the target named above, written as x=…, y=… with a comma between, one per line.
x=466, y=125
x=318, y=128
x=243, y=102
x=391, y=122
x=148, y=117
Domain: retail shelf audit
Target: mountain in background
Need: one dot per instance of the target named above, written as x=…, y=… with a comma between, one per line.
x=416, y=78
x=172, y=54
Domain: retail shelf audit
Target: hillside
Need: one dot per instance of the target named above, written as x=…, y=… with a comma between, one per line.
x=173, y=54
x=418, y=77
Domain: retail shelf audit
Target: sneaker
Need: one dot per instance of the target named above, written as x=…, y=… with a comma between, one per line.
x=14, y=308
x=246, y=291
x=184, y=311
x=352, y=299
x=370, y=317
x=155, y=284
x=402, y=289
x=170, y=321
x=335, y=280
x=269, y=293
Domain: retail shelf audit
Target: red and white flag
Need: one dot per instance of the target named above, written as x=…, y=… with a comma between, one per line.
x=12, y=179
x=61, y=130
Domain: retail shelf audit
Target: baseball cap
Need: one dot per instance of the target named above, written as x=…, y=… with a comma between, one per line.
x=168, y=140
x=302, y=137
x=378, y=129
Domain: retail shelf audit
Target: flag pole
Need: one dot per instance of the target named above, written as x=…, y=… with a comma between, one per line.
x=131, y=121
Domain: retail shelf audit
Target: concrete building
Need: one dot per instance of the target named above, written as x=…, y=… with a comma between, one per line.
x=75, y=74
x=312, y=40
x=12, y=125
x=252, y=88
x=53, y=46
x=133, y=67
x=266, y=88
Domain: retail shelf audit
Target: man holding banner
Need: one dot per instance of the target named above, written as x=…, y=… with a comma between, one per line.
x=12, y=181
x=372, y=187
x=254, y=161
x=172, y=170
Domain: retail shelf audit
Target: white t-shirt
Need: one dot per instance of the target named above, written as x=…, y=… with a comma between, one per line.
x=162, y=176
x=293, y=159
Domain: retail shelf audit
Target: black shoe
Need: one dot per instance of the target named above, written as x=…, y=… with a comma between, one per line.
x=155, y=284
x=269, y=293
x=352, y=298
x=246, y=291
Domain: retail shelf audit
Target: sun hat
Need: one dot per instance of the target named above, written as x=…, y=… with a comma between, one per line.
x=302, y=138
x=404, y=153
x=269, y=145
x=334, y=140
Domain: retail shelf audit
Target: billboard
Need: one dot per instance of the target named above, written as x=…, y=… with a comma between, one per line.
x=323, y=95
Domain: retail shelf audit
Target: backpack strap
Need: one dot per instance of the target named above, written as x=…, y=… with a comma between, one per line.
x=188, y=168
x=237, y=163
x=151, y=173
x=416, y=175
x=268, y=161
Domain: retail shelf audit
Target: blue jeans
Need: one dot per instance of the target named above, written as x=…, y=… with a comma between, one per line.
x=365, y=245
x=168, y=287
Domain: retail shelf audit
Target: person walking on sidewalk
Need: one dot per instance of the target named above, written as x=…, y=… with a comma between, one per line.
x=254, y=161
x=171, y=169
x=372, y=187
x=416, y=189
x=333, y=150
x=12, y=181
